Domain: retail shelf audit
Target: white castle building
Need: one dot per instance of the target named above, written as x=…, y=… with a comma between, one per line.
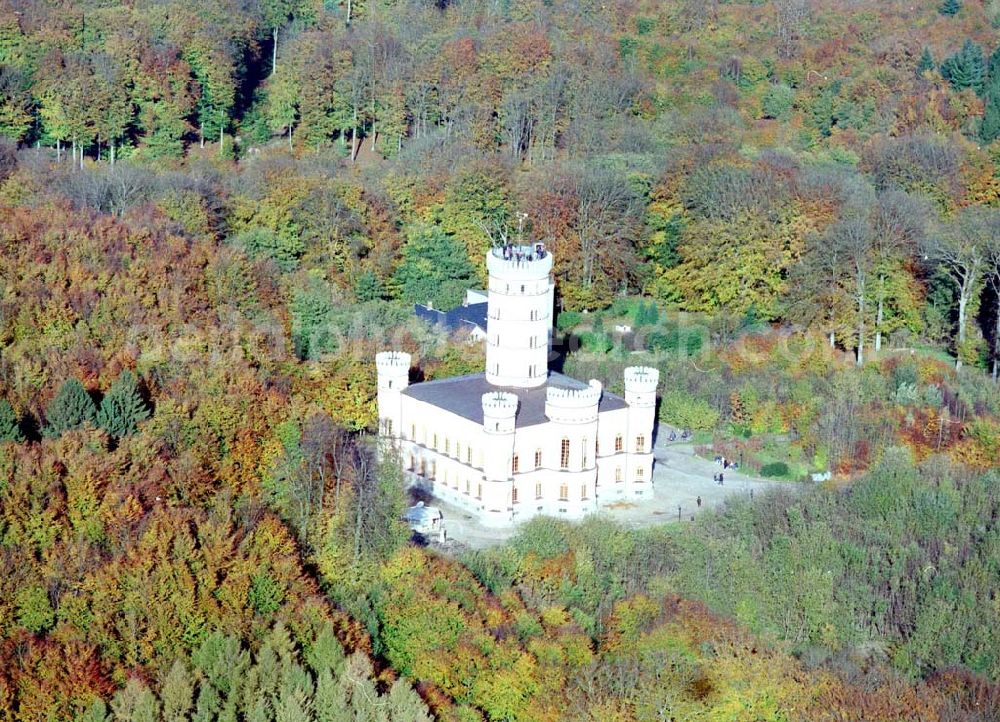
x=519, y=441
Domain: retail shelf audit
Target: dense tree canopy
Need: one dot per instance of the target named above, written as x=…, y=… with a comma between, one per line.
x=213, y=214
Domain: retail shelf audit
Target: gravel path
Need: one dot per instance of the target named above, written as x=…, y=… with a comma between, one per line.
x=679, y=478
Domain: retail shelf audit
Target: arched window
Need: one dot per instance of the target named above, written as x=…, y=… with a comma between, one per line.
x=563, y=492
x=564, y=454
x=538, y=458
x=619, y=443
x=640, y=444
x=516, y=464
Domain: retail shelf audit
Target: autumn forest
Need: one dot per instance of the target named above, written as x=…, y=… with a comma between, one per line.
x=214, y=212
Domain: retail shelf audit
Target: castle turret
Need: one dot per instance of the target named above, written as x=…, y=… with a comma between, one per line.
x=393, y=369
x=573, y=440
x=499, y=414
x=519, y=315
x=640, y=395
x=573, y=406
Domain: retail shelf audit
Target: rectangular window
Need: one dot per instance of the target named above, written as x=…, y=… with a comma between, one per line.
x=618, y=474
x=435, y=442
x=538, y=458
x=447, y=446
x=583, y=454
x=468, y=455
x=434, y=469
x=563, y=492
x=564, y=455
x=458, y=450
x=538, y=490
x=640, y=444
x=583, y=491
x=640, y=474
x=467, y=487
x=513, y=495
x=413, y=431
x=388, y=427
x=516, y=464
x=479, y=491
x=619, y=443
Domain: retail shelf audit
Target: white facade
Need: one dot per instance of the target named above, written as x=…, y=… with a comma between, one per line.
x=517, y=441
x=519, y=316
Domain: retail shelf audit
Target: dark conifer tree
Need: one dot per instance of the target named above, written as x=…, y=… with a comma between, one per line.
x=949, y=7
x=71, y=407
x=123, y=407
x=966, y=68
x=10, y=429
x=926, y=62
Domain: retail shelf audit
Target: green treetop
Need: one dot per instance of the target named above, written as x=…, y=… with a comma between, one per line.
x=949, y=7
x=435, y=268
x=122, y=408
x=71, y=408
x=966, y=68
x=926, y=62
x=10, y=430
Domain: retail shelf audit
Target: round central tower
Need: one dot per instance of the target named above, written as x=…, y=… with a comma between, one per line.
x=519, y=315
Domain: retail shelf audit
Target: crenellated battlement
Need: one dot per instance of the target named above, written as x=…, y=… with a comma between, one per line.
x=499, y=412
x=519, y=263
x=641, y=379
x=499, y=404
x=392, y=363
x=574, y=398
x=573, y=406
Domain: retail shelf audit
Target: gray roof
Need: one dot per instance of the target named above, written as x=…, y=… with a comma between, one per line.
x=462, y=395
x=463, y=317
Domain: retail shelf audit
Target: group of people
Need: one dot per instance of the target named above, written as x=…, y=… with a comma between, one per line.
x=514, y=253
x=719, y=478
x=726, y=463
